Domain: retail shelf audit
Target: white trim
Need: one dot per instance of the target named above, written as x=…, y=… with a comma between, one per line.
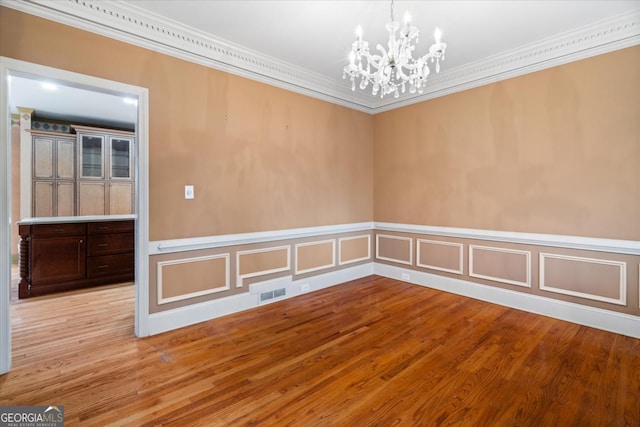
x=127, y=23
x=351, y=261
x=5, y=219
x=9, y=66
x=320, y=267
x=161, y=264
x=196, y=313
x=399, y=261
x=630, y=247
x=607, y=320
x=26, y=167
x=208, y=242
x=622, y=284
x=241, y=277
x=142, y=213
x=527, y=254
x=434, y=267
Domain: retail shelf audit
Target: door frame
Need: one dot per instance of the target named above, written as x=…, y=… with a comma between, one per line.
x=12, y=67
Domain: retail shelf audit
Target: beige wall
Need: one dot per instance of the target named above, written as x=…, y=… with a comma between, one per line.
x=556, y=151
x=260, y=158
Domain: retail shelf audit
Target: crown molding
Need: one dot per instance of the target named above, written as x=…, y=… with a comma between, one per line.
x=594, y=39
x=121, y=21
x=129, y=24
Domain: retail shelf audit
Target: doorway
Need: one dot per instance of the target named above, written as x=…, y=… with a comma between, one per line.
x=13, y=68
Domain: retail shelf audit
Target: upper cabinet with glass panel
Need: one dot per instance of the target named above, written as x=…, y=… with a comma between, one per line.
x=92, y=156
x=121, y=160
x=105, y=163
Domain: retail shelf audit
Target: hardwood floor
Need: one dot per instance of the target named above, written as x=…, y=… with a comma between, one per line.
x=369, y=352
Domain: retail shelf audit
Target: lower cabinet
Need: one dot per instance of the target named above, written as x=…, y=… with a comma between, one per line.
x=59, y=257
x=110, y=250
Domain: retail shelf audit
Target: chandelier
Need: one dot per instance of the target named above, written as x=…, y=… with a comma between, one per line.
x=393, y=69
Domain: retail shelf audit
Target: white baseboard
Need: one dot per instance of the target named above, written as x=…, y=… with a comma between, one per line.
x=196, y=313
x=611, y=321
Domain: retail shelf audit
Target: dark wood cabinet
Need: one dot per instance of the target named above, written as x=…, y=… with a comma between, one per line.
x=56, y=259
x=110, y=265
x=110, y=250
x=63, y=256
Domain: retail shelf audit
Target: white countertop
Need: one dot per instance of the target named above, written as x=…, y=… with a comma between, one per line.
x=66, y=219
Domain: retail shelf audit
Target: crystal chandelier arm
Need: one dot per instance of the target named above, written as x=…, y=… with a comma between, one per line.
x=437, y=50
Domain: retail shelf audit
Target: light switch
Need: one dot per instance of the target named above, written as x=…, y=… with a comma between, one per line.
x=188, y=192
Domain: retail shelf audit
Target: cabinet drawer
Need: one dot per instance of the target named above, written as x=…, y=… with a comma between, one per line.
x=105, y=244
x=110, y=265
x=55, y=230
x=110, y=227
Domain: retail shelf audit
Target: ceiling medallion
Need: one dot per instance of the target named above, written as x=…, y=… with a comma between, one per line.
x=393, y=69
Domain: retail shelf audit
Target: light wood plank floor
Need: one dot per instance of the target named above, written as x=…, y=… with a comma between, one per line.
x=369, y=352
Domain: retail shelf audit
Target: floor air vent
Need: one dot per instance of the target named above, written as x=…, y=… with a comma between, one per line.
x=269, y=295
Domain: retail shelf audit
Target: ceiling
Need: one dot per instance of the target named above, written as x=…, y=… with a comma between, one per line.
x=303, y=45
x=317, y=35
x=71, y=104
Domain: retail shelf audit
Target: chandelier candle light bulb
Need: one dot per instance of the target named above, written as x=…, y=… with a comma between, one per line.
x=393, y=68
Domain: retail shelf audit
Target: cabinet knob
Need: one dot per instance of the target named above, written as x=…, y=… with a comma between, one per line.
x=103, y=245
x=103, y=266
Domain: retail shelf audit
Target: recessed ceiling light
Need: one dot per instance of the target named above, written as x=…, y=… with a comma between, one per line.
x=130, y=101
x=48, y=86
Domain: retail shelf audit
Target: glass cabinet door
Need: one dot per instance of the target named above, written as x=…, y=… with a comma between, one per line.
x=120, y=158
x=91, y=156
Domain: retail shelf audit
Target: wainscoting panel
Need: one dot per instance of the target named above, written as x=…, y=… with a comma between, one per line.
x=189, y=276
x=394, y=248
x=591, y=278
x=192, y=277
x=315, y=256
x=509, y=266
x=254, y=260
x=260, y=262
x=439, y=255
x=354, y=249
